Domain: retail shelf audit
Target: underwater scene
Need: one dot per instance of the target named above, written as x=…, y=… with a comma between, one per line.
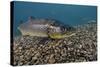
x=51, y=33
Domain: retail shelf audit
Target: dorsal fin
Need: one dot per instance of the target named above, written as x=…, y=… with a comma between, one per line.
x=31, y=18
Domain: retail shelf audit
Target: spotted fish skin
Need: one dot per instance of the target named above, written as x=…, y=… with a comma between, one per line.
x=43, y=28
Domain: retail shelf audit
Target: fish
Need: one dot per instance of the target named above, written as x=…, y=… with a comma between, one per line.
x=41, y=27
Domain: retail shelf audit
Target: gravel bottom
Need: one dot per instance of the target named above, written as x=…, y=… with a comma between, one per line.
x=81, y=47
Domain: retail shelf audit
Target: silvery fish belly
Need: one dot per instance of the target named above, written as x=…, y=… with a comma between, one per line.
x=45, y=28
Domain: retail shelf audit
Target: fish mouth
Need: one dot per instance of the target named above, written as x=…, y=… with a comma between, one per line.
x=61, y=36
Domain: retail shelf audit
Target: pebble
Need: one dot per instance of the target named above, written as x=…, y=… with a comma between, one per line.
x=35, y=50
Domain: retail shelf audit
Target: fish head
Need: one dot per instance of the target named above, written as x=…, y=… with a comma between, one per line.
x=59, y=32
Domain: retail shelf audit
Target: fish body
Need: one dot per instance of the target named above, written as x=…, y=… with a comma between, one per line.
x=44, y=28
